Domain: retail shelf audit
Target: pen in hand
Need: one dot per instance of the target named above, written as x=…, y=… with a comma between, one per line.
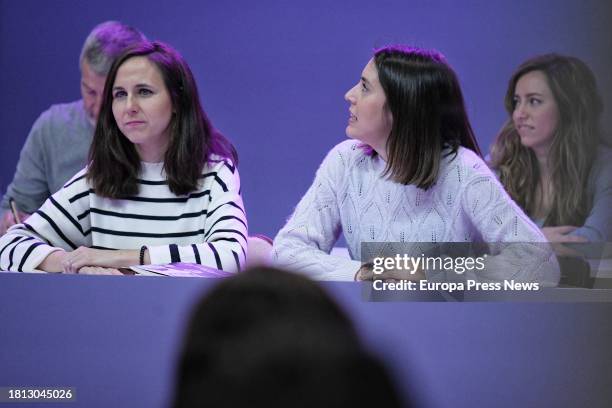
x=14, y=211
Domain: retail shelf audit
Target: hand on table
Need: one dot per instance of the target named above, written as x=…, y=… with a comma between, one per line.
x=366, y=273
x=82, y=257
x=559, y=236
x=98, y=270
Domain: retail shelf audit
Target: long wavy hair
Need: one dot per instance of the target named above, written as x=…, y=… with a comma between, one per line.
x=425, y=99
x=573, y=148
x=114, y=162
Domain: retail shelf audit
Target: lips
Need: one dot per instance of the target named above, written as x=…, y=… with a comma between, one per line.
x=523, y=127
x=134, y=123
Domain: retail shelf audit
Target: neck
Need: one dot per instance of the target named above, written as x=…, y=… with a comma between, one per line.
x=380, y=151
x=150, y=154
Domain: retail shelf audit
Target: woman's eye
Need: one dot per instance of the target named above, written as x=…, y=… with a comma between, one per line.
x=515, y=102
x=119, y=94
x=535, y=101
x=363, y=87
x=145, y=91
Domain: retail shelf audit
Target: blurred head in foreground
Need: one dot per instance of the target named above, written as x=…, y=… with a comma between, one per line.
x=268, y=338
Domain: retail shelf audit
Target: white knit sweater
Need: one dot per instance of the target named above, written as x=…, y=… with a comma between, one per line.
x=207, y=226
x=349, y=195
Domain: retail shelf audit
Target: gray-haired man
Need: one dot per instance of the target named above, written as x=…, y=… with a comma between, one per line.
x=57, y=146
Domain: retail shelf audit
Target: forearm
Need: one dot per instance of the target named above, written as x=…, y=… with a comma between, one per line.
x=54, y=262
x=126, y=257
x=86, y=257
x=57, y=261
x=23, y=251
x=295, y=252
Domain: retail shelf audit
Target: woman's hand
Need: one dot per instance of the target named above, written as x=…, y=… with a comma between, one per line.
x=559, y=236
x=83, y=256
x=366, y=273
x=75, y=261
x=97, y=270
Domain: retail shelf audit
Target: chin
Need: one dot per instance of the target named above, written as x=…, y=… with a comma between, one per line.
x=134, y=140
x=524, y=141
x=350, y=133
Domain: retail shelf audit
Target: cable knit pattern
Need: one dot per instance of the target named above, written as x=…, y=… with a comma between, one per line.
x=349, y=195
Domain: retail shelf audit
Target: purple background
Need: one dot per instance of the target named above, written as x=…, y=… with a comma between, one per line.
x=272, y=74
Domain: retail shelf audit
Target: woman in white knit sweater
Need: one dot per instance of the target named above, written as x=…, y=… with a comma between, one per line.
x=161, y=185
x=413, y=173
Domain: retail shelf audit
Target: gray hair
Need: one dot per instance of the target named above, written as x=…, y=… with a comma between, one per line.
x=105, y=42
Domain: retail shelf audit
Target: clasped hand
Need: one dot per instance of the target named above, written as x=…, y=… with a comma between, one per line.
x=83, y=260
x=558, y=236
x=89, y=261
x=366, y=273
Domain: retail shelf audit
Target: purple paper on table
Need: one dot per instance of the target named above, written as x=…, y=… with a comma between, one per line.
x=181, y=269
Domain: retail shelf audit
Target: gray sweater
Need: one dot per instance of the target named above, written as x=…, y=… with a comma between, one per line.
x=598, y=225
x=55, y=150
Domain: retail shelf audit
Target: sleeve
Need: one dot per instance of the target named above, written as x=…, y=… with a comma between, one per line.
x=304, y=243
x=517, y=248
x=598, y=225
x=225, y=228
x=55, y=226
x=29, y=187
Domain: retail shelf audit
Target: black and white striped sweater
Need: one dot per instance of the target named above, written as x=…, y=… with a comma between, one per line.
x=207, y=226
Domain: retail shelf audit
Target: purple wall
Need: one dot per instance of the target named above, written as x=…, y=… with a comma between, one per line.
x=272, y=76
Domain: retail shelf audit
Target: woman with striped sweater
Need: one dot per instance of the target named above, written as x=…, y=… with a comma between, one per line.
x=161, y=185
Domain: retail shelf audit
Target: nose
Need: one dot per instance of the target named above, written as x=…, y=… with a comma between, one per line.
x=131, y=104
x=519, y=111
x=349, y=95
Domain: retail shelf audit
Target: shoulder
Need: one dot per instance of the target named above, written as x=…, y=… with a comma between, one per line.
x=348, y=151
x=61, y=120
x=604, y=156
x=602, y=168
x=466, y=165
x=220, y=172
x=76, y=188
x=78, y=181
x=220, y=164
x=345, y=156
x=62, y=113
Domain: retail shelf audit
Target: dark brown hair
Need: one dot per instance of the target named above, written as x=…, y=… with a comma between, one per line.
x=425, y=100
x=270, y=338
x=114, y=162
x=573, y=148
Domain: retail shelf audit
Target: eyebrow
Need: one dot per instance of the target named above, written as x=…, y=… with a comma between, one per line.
x=531, y=94
x=136, y=86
